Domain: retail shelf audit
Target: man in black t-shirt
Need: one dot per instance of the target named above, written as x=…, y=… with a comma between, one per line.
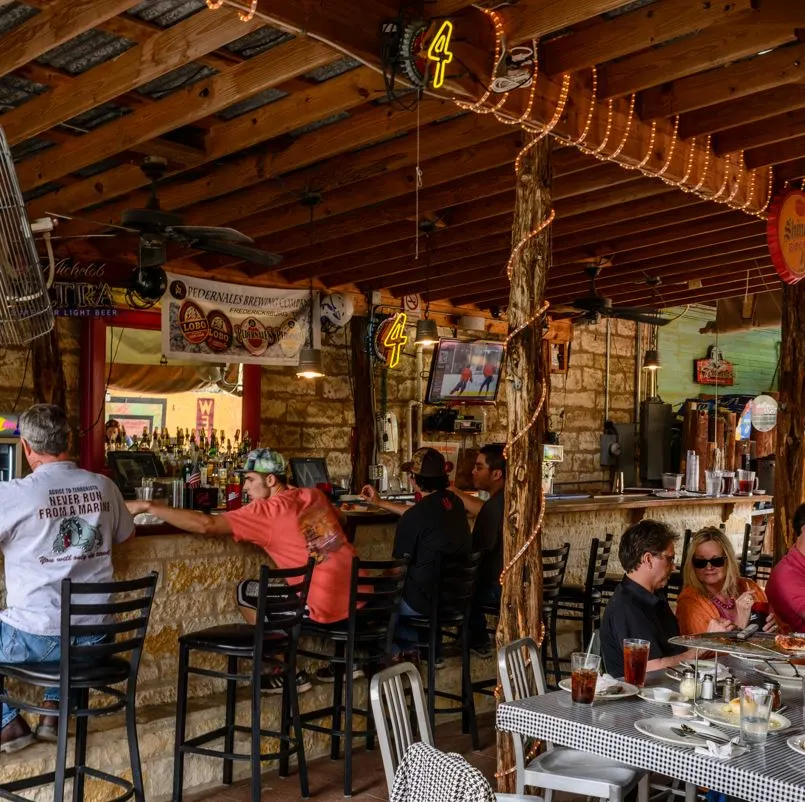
x=489, y=475
x=435, y=525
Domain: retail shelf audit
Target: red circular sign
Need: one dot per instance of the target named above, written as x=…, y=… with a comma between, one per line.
x=219, y=337
x=254, y=336
x=785, y=232
x=192, y=323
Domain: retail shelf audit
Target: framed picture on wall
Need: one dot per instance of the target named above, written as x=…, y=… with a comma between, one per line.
x=135, y=413
x=560, y=356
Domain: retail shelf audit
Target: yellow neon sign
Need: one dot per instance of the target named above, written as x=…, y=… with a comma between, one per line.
x=396, y=339
x=439, y=52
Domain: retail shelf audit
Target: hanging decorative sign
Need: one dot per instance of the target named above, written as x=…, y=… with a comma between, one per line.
x=439, y=53
x=214, y=322
x=412, y=305
x=785, y=233
x=713, y=369
x=764, y=413
x=389, y=339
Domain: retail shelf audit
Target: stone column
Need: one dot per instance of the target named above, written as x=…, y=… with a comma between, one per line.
x=789, y=478
x=526, y=375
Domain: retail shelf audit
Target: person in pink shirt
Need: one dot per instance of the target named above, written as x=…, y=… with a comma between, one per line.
x=291, y=524
x=786, y=586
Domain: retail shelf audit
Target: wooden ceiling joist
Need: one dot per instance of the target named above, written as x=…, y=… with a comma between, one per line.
x=764, y=132
x=788, y=150
x=644, y=27
x=165, y=51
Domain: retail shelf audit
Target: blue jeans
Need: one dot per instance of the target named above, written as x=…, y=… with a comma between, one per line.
x=17, y=646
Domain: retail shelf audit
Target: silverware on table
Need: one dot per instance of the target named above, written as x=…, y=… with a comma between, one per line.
x=710, y=735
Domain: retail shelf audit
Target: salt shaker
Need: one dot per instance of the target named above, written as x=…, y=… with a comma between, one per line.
x=687, y=686
x=708, y=687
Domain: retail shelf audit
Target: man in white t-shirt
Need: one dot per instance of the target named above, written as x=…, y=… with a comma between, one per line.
x=60, y=522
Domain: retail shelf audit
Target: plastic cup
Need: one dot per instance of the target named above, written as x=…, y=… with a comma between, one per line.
x=635, y=658
x=756, y=705
x=584, y=676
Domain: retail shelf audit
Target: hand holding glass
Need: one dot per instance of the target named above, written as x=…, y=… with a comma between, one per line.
x=635, y=658
x=584, y=676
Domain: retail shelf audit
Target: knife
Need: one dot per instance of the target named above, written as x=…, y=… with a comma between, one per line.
x=704, y=736
x=748, y=632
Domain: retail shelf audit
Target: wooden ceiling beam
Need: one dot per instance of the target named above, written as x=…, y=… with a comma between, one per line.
x=635, y=30
x=181, y=108
x=763, y=132
x=163, y=52
x=785, y=65
x=735, y=113
x=743, y=35
x=788, y=171
x=792, y=148
x=58, y=22
x=347, y=92
x=535, y=19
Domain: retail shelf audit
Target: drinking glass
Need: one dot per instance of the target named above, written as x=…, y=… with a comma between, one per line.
x=712, y=483
x=584, y=676
x=728, y=477
x=746, y=482
x=635, y=658
x=755, y=710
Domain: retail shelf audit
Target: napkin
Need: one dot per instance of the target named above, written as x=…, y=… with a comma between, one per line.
x=721, y=751
x=147, y=519
x=605, y=682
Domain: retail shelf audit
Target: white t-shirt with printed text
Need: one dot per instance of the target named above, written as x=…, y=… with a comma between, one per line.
x=60, y=522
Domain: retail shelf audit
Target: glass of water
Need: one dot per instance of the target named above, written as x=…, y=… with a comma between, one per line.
x=756, y=705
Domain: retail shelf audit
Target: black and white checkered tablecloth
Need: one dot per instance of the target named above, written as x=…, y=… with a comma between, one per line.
x=772, y=773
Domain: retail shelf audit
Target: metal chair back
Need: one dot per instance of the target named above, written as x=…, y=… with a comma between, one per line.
x=600, y=551
x=754, y=537
x=554, y=565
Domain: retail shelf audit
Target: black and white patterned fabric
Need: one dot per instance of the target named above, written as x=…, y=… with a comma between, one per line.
x=771, y=773
x=425, y=773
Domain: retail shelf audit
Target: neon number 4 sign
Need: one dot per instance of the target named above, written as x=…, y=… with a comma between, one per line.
x=396, y=339
x=440, y=53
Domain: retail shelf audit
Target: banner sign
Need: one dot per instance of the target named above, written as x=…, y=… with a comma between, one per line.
x=218, y=322
x=785, y=232
x=205, y=414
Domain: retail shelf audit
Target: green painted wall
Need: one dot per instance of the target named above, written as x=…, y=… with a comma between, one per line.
x=753, y=353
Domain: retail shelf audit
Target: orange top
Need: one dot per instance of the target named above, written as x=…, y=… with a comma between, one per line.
x=694, y=611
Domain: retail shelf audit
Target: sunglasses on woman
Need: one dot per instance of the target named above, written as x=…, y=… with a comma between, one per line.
x=716, y=562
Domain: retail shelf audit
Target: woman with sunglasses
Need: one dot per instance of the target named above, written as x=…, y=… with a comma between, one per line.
x=714, y=595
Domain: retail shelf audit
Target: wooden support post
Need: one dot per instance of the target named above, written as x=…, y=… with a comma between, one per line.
x=362, y=442
x=789, y=477
x=526, y=376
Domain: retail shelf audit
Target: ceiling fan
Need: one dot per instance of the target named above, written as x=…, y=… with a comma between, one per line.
x=593, y=307
x=155, y=227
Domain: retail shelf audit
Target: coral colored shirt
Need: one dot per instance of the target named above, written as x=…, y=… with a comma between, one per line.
x=293, y=526
x=694, y=611
x=786, y=591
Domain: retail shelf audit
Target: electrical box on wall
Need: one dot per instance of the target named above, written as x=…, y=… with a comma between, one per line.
x=387, y=433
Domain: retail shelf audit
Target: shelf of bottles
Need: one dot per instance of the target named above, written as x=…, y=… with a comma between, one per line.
x=200, y=458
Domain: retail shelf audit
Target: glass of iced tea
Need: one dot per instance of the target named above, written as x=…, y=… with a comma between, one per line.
x=635, y=658
x=584, y=676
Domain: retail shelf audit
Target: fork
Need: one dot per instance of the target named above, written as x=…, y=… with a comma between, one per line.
x=710, y=735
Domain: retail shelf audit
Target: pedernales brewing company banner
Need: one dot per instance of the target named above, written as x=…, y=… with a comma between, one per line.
x=218, y=322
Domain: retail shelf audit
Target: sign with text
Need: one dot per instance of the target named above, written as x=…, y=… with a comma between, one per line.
x=83, y=289
x=785, y=232
x=218, y=322
x=205, y=414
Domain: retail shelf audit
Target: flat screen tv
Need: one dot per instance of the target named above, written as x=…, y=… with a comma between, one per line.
x=465, y=372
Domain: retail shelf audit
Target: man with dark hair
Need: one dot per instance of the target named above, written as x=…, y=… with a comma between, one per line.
x=436, y=526
x=291, y=524
x=636, y=610
x=488, y=475
x=786, y=586
x=59, y=522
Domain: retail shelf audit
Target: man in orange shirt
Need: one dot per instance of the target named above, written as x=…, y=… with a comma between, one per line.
x=465, y=378
x=291, y=524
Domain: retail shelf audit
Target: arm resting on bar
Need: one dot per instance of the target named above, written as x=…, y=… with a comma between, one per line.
x=193, y=521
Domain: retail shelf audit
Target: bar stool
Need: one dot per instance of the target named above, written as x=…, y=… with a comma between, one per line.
x=677, y=579
x=82, y=669
x=271, y=642
x=554, y=564
x=450, y=617
x=584, y=601
x=363, y=640
x=754, y=538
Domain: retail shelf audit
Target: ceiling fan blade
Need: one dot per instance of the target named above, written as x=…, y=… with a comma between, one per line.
x=220, y=233
x=244, y=252
x=638, y=315
x=98, y=223
x=84, y=236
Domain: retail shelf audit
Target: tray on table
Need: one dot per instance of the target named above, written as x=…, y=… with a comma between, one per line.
x=760, y=646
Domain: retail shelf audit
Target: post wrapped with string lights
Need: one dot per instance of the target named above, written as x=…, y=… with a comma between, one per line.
x=527, y=403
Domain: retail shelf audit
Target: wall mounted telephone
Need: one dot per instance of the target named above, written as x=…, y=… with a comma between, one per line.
x=387, y=434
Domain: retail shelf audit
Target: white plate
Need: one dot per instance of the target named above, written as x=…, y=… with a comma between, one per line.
x=661, y=729
x=784, y=674
x=797, y=743
x=627, y=690
x=726, y=716
x=648, y=695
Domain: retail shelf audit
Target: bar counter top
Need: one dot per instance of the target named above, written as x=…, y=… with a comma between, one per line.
x=636, y=501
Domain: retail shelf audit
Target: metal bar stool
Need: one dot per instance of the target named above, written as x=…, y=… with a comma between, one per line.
x=113, y=658
x=584, y=601
x=554, y=564
x=271, y=642
x=361, y=641
x=754, y=538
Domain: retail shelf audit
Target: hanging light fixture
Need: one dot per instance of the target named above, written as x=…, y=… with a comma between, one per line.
x=427, y=333
x=651, y=361
x=310, y=361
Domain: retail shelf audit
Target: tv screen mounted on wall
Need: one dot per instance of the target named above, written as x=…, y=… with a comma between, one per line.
x=465, y=372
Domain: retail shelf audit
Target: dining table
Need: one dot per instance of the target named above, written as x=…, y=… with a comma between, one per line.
x=771, y=772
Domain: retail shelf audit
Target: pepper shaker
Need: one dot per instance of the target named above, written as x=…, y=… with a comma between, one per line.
x=708, y=687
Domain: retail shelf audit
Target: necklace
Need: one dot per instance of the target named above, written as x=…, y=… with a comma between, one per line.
x=724, y=605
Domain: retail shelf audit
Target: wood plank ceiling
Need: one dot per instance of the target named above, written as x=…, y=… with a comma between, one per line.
x=251, y=115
